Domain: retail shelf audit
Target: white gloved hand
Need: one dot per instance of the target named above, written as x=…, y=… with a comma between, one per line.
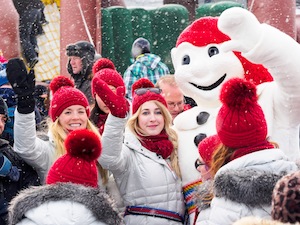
x=242, y=27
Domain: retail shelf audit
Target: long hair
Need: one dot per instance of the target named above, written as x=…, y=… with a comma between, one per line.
x=222, y=155
x=59, y=136
x=132, y=124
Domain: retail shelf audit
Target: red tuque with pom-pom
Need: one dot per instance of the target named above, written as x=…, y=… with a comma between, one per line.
x=138, y=100
x=105, y=70
x=103, y=63
x=240, y=122
x=78, y=165
x=64, y=96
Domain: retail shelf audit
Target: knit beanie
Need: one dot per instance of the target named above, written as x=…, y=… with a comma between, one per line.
x=139, y=99
x=78, y=165
x=240, y=122
x=65, y=95
x=140, y=46
x=207, y=146
x=106, y=71
x=204, y=31
x=286, y=199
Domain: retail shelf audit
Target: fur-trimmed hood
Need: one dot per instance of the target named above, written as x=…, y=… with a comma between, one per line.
x=95, y=200
x=246, y=186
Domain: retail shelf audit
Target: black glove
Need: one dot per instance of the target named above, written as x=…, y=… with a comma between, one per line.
x=23, y=84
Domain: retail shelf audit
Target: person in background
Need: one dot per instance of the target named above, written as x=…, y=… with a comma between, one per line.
x=32, y=18
x=144, y=159
x=146, y=64
x=173, y=95
x=204, y=195
x=81, y=60
x=15, y=174
x=72, y=195
x=69, y=110
x=246, y=166
x=106, y=71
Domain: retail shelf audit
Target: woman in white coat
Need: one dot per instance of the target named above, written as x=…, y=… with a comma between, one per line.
x=246, y=166
x=69, y=110
x=145, y=164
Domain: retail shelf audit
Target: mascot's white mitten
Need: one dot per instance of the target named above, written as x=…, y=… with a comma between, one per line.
x=242, y=27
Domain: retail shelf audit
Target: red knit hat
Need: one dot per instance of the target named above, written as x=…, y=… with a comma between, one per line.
x=78, y=165
x=105, y=69
x=240, y=122
x=65, y=95
x=204, y=31
x=207, y=146
x=138, y=100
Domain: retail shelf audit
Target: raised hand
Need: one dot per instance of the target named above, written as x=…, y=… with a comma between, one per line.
x=23, y=84
x=242, y=27
x=116, y=103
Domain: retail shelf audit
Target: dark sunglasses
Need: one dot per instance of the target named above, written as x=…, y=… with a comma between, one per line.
x=199, y=163
x=142, y=91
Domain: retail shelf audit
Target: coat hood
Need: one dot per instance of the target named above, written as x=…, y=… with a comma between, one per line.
x=96, y=200
x=246, y=186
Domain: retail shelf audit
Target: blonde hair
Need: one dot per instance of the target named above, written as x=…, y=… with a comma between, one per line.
x=132, y=124
x=59, y=136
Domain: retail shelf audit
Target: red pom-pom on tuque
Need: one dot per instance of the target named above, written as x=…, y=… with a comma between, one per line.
x=103, y=63
x=84, y=143
x=238, y=93
x=60, y=81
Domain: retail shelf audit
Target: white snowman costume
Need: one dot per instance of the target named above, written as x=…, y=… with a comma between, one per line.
x=203, y=60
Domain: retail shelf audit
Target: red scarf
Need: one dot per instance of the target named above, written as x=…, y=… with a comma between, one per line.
x=160, y=144
x=101, y=122
x=247, y=150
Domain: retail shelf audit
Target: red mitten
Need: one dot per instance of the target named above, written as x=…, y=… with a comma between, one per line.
x=116, y=103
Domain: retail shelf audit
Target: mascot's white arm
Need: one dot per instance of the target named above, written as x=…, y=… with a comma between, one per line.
x=280, y=54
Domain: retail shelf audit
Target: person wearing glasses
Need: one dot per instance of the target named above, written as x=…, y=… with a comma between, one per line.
x=142, y=154
x=246, y=165
x=173, y=95
x=204, y=194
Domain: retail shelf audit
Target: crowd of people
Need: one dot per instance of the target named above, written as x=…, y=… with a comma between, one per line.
x=108, y=153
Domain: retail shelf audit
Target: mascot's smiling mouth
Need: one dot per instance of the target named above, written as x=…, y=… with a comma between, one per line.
x=212, y=86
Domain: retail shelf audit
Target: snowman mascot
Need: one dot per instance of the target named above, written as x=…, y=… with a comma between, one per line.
x=211, y=51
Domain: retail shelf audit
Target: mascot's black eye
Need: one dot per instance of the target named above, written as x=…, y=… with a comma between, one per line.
x=213, y=51
x=186, y=60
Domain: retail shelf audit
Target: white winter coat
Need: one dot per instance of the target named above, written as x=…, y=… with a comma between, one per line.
x=243, y=187
x=36, y=152
x=143, y=177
